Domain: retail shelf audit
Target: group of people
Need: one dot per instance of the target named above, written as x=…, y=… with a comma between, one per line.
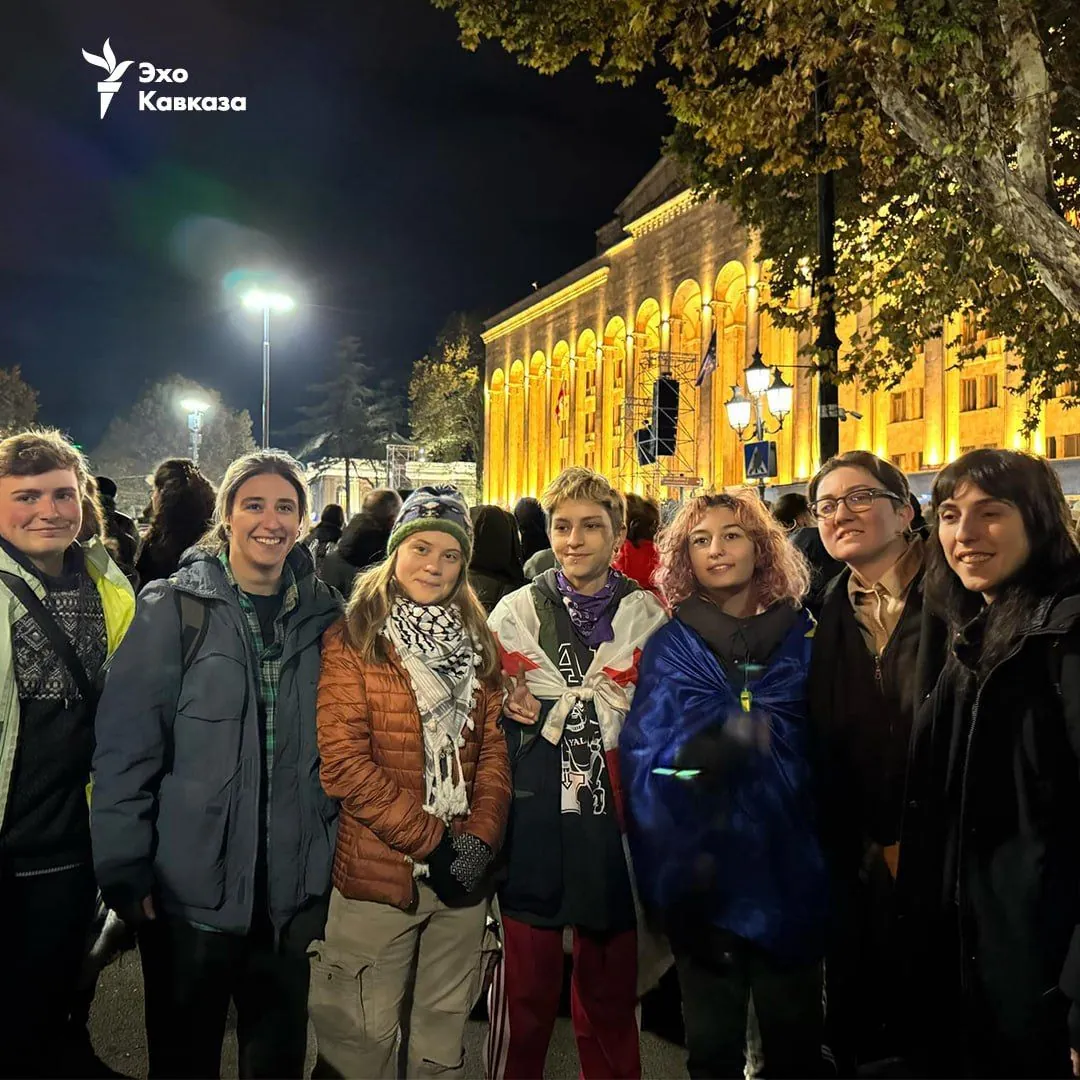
x=854, y=835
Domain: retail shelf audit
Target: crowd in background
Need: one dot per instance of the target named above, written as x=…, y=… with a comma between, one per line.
x=821, y=757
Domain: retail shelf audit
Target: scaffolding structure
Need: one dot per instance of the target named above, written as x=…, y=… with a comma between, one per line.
x=398, y=457
x=678, y=470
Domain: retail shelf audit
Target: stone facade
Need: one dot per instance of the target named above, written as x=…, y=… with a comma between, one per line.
x=570, y=369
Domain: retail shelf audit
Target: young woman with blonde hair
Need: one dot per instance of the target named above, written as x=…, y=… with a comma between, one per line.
x=717, y=778
x=409, y=703
x=211, y=833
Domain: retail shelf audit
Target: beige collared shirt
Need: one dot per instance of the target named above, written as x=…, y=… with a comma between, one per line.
x=878, y=607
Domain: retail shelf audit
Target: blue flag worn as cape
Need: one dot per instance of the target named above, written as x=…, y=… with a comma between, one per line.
x=740, y=852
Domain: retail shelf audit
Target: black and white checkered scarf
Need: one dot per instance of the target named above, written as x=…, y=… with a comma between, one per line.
x=440, y=659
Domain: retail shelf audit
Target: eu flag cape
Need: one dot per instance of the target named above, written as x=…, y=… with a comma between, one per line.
x=739, y=851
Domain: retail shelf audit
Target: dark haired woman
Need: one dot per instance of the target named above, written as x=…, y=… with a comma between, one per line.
x=876, y=655
x=990, y=878
x=495, y=569
x=182, y=509
x=532, y=527
x=326, y=534
x=638, y=558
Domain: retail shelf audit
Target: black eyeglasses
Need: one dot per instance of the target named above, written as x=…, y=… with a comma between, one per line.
x=858, y=502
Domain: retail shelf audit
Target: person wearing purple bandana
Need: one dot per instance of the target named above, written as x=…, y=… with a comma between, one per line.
x=566, y=862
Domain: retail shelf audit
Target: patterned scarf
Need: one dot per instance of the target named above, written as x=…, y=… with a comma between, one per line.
x=590, y=614
x=440, y=659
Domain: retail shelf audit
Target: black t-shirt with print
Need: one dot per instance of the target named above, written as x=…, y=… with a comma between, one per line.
x=596, y=886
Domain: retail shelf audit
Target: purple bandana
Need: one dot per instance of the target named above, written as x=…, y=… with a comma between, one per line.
x=589, y=614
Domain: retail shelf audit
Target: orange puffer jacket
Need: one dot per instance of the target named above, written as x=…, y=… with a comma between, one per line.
x=372, y=751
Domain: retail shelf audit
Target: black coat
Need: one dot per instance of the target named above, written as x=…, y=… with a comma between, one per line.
x=989, y=887
x=861, y=716
x=362, y=544
x=823, y=567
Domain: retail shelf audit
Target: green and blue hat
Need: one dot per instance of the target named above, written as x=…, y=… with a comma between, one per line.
x=440, y=508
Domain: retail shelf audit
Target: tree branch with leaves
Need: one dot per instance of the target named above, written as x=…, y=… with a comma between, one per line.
x=952, y=133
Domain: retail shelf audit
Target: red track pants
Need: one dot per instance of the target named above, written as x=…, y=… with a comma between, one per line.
x=523, y=1003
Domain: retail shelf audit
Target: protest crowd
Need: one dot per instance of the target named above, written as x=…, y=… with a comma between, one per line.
x=816, y=766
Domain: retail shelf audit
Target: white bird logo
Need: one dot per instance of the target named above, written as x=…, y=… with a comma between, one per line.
x=108, y=87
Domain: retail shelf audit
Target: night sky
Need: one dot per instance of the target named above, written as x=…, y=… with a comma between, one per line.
x=391, y=174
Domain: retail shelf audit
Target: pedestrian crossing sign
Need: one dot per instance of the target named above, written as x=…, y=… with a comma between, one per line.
x=760, y=460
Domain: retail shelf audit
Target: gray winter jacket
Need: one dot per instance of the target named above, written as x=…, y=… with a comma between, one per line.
x=175, y=810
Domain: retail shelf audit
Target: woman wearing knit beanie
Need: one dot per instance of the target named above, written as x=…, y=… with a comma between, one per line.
x=408, y=720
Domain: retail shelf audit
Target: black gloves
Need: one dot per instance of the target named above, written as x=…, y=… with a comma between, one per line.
x=473, y=859
x=712, y=752
x=457, y=866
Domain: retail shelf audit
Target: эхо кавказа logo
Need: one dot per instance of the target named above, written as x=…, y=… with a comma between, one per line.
x=111, y=83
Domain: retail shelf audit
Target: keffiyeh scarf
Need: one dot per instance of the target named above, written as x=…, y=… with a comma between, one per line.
x=440, y=659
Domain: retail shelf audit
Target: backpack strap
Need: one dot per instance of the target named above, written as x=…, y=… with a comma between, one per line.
x=194, y=620
x=62, y=646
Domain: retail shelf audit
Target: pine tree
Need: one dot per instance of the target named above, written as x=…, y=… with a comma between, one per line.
x=353, y=416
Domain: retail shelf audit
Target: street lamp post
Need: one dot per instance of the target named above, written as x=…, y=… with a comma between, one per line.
x=828, y=344
x=266, y=301
x=749, y=408
x=195, y=407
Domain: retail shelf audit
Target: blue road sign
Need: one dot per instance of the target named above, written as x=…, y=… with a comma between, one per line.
x=760, y=460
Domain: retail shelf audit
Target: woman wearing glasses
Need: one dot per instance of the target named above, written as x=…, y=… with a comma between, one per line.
x=877, y=653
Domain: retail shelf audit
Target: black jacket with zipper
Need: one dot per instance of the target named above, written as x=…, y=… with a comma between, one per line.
x=989, y=888
x=861, y=713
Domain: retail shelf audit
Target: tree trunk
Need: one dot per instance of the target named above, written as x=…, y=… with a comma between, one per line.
x=1031, y=89
x=1051, y=241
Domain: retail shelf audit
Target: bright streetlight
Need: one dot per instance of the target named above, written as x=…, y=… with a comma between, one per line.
x=742, y=409
x=195, y=408
x=267, y=300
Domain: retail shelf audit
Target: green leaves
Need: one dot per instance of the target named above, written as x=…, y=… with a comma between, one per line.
x=155, y=428
x=446, y=404
x=18, y=402
x=921, y=234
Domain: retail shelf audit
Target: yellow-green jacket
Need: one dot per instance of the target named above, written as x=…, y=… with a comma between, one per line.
x=118, y=604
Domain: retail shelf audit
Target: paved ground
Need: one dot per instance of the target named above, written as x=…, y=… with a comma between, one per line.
x=116, y=1025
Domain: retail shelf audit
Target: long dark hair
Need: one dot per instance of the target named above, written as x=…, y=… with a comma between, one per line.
x=185, y=508
x=642, y=519
x=1031, y=485
x=532, y=527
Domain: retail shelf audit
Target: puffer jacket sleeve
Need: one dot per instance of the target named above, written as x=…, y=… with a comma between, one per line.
x=490, y=804
x=349, y=772
x=134, y=715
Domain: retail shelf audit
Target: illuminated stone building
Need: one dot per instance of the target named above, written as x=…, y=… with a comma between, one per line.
x=570, y=369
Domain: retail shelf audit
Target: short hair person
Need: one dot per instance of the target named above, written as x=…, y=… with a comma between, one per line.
x=571, y=641
x=65, y=608
x=877, y=651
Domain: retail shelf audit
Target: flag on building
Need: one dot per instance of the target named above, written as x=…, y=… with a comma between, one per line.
x=708, y=361
x=560, y=402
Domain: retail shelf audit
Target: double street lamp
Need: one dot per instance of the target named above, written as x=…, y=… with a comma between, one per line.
x=763, y=388
x=266, y=300
x=195, y=407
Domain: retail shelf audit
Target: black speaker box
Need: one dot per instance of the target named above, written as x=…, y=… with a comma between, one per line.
x=665, y=414
x=646, y=446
